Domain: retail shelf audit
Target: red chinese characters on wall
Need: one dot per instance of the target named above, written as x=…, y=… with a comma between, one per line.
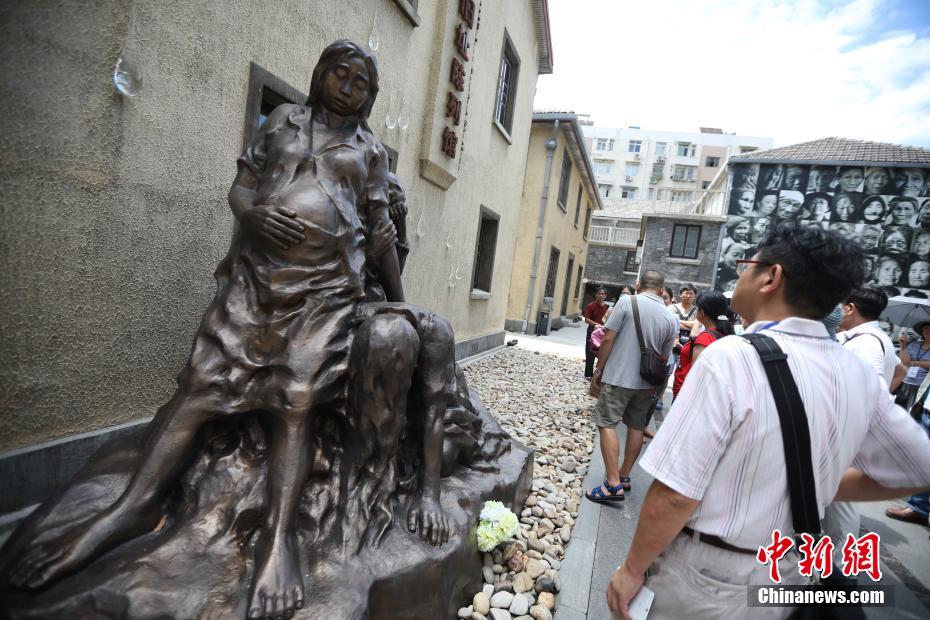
x=457, y=75
x=453, y=108
x=450, y=142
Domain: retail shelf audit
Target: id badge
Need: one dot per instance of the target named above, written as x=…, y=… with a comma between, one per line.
x=912, y=372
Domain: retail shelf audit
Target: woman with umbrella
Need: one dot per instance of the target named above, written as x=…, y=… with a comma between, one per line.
x=916, y=357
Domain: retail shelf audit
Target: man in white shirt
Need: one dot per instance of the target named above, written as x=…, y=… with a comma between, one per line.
x=863, y=336
x=718, y=461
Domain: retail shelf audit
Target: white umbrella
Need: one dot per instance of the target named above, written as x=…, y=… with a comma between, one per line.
x=907, y=311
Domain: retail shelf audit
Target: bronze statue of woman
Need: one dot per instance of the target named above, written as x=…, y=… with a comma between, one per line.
x=311, y=198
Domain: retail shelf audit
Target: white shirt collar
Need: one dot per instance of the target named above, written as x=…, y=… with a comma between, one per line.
x=793, y=326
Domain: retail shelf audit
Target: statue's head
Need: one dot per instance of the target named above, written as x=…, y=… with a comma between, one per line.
x=345, y=80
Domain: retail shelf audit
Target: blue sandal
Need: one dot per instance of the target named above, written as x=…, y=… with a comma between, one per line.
x=625, y=483
x=613, y=494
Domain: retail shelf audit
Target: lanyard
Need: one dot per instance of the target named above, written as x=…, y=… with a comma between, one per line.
x=767, y=326
x=920, y=353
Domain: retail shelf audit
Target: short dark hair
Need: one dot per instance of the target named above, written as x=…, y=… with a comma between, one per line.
x=821, y=266
x=687, y=287
x=599, y=289
x=652, y=280
x=870, y=302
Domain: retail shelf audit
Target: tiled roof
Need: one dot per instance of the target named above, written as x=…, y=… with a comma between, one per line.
x=840, y=150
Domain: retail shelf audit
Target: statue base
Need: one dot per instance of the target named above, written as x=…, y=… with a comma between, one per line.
x=198, y=563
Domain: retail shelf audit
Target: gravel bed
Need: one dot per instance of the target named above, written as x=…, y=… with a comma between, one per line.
x=541, y=400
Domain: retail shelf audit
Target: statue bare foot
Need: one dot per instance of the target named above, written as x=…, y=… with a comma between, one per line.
x=427, y=517
x=46, y=562
x=278, y=588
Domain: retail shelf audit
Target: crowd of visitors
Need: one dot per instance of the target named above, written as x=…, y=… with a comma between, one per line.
x=719, y=464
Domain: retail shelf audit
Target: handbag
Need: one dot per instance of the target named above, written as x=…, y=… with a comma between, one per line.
x=597, y=336
x=796, y=438
x=653, y=367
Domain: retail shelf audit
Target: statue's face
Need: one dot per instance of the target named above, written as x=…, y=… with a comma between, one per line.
x=345, y=87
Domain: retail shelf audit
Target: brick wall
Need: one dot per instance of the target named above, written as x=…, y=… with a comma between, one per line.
x=605, y=264
x=658, y=241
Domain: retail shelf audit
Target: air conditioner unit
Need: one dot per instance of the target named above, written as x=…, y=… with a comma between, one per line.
x=636, y=156
x=660, y=159
x=628, y=179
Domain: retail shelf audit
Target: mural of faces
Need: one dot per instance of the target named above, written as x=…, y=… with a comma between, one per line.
x=789, y=205
x=816, y=207
x=770, y=177
x=918, y=274
x=896, y=240
x=910, y=181
x=877, y=181
x=766, y=203
x=739, y=229
x=873, y=210
x=850, y=180
x=888, y=271
x=883, y=208
x=794, y=178
x=760, y=227
x=901, y=211
x=820, y=179
x=923, y=215
x=742, y=201
x=920, y=246
x=870, y=237
x=845, y=208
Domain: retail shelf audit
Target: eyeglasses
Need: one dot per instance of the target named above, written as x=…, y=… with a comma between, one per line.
x=744, y=263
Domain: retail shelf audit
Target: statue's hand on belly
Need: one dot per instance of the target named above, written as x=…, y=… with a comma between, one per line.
x=275, y=224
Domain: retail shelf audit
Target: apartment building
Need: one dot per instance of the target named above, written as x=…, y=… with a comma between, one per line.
x=663, y=166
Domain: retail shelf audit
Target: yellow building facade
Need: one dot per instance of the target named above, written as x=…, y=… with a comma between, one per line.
x=551, y=245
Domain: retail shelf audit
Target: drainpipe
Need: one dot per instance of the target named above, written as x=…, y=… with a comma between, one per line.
x=541, y=219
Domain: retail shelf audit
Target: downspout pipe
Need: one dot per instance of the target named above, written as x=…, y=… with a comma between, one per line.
x=551, y=145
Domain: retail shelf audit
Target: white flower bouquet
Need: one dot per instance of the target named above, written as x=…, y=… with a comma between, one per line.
x=497, y=524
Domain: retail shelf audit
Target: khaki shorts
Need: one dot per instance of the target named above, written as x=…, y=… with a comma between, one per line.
x=633, y=407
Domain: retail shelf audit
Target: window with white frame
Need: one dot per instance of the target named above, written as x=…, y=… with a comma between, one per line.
x=748, y=149
x=603, y=166
x=650, y=194
x=507, y=85
x=604, y=144
x=604, y=190
x=712, y=162
x=660, y=148
x=682, y=196
x=628, y=192
x=632, y=170
x=683, y=173
x=686, y=149
x=635, y=146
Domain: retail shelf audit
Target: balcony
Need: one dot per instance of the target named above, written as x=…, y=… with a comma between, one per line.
x=608, y=235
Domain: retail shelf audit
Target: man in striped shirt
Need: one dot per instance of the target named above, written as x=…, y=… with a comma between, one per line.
x=718, y=461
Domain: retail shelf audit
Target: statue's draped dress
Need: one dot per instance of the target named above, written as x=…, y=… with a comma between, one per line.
x=277, y=335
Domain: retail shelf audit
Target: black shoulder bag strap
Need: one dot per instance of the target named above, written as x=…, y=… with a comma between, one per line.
x=795, y=435
x=639, y=327
x=854, y=336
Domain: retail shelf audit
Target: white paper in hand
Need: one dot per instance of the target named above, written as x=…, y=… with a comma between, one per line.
x=641, y=603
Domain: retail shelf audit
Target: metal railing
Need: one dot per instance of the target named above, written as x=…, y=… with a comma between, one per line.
x=613, y=236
